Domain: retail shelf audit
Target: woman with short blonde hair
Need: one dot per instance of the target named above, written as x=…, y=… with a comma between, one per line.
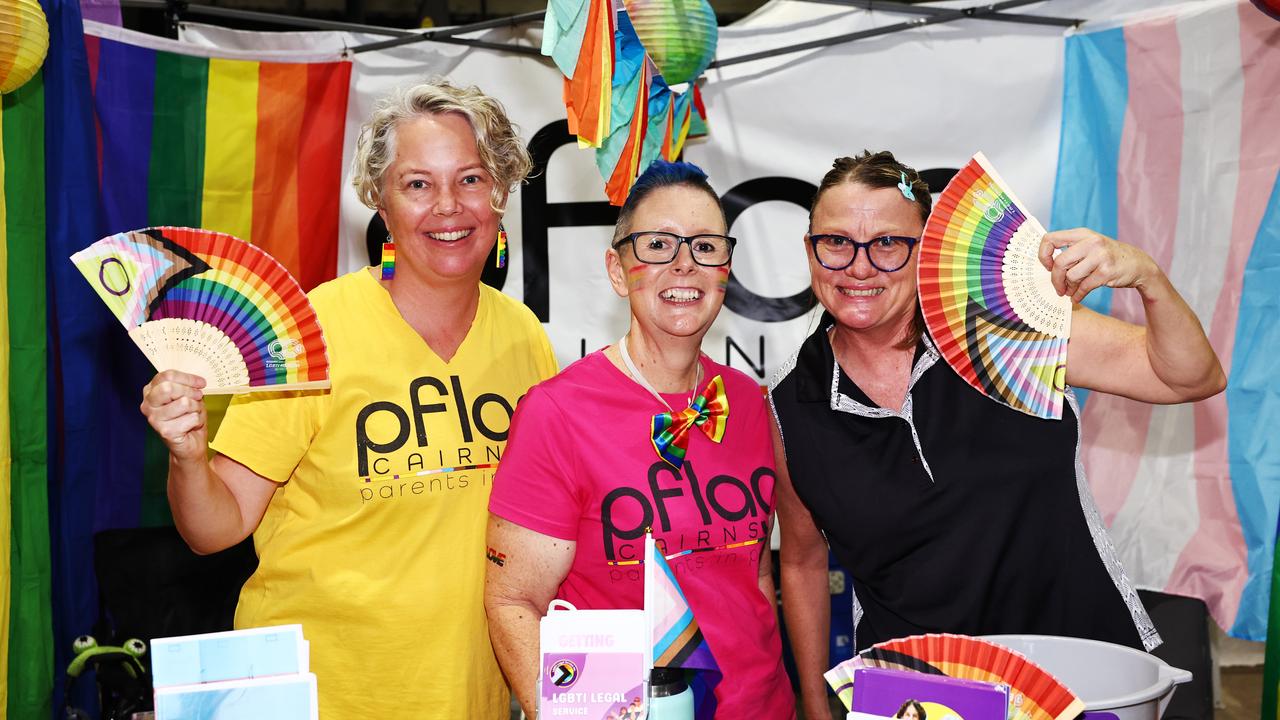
x=501, y=151
x=367, y=502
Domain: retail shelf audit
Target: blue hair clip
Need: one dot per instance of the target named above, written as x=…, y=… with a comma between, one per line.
x=905, y=187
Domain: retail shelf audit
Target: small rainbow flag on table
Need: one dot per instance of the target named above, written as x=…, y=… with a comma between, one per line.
x=251, y=149
x=678, y=642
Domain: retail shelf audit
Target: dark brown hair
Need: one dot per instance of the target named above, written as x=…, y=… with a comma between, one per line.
x=919, y=709
x=875, y=170
x=878, y=170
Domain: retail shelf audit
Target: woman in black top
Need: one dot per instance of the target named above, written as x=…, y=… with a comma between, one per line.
x=889, y=454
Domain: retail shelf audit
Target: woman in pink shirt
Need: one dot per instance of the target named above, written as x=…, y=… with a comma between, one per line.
x=583, y=476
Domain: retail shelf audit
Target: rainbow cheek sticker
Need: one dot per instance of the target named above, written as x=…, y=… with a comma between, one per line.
x=723, y=283
x=637, y=277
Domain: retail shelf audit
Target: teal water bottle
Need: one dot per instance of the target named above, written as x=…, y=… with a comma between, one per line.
x=669, y=695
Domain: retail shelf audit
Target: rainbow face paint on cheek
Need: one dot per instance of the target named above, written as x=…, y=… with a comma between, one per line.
x=637, y=277
x=722, y=282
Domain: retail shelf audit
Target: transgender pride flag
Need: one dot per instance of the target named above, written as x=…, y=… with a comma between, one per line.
x=1171, y=142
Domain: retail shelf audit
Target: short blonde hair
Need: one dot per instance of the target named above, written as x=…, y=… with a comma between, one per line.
x=501, y=151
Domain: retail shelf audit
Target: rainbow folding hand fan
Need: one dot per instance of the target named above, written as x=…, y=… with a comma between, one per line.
x=212, y=305
x=1034, y=694
x=988, y=302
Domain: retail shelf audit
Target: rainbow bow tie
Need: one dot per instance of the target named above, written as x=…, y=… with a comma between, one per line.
x=708, y=412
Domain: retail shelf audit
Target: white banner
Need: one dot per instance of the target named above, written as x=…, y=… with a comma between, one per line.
x=933, y=95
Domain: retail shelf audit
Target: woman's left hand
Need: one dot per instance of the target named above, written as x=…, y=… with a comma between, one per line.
x=1167, y=360
x=1091, y=260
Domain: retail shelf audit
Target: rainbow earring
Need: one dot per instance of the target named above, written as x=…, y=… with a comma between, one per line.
x=502, y=247
x=388, y=259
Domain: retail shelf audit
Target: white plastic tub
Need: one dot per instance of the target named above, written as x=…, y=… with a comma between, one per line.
x=1113, y=681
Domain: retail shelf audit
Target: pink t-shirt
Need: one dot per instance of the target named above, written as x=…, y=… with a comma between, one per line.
x=580, y=466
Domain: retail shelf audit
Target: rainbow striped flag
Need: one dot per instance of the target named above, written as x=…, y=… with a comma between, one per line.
x=132, y=131
x=1169, y=143
x=253, y=149
x=26, y=671
x=677, y=640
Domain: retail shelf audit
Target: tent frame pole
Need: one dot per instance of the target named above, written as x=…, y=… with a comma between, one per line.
x=925, y=15
x=895, y=6
x=941, y=16
x=177, y=10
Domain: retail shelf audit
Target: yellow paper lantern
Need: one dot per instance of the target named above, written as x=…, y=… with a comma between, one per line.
x=24, y=41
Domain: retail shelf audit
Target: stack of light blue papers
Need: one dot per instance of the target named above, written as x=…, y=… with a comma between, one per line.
x=289, y=697
x=253, y=674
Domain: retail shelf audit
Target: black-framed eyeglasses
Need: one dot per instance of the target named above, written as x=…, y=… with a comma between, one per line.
x=656, y=247
x=887, y=253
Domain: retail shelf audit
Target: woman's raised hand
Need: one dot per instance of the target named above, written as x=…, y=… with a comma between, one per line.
x=1081, y=260
x=173, y=403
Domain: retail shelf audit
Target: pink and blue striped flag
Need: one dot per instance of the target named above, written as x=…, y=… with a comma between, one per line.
x=1170, y=143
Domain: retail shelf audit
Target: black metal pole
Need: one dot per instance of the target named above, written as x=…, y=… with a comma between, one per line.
x=942, y=17
x=908, y=9
x=444, y=35
x=173, y=10
x=272, y=18
x=928, y=16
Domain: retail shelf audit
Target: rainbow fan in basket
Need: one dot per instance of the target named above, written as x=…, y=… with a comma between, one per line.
x=988, y=302
x=212, y=305
x=1034, y=694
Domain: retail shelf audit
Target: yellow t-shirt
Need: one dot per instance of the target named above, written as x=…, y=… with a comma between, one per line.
x=374, y=540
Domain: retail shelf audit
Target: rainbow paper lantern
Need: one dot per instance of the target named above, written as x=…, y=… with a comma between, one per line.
x=24, y=41
x=622, y=68
x=679, y=35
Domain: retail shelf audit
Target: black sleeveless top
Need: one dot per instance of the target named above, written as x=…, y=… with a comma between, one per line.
x=955, y=513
